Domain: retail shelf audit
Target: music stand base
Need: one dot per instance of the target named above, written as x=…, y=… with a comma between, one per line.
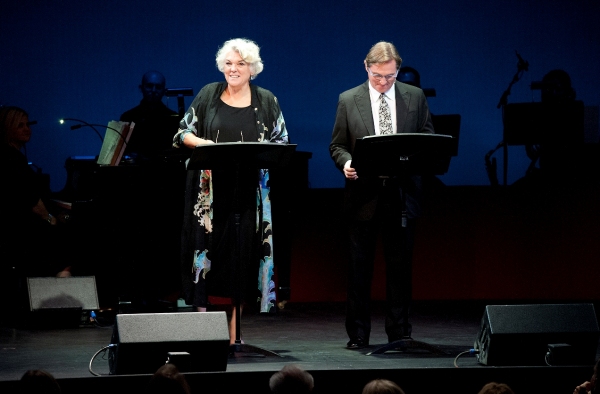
x=245, y=350
x=404, y=344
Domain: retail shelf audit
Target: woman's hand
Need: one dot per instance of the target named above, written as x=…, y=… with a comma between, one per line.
x=192, y=141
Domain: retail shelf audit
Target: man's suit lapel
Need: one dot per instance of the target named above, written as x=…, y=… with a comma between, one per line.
x=402, y=103
x=363, y=103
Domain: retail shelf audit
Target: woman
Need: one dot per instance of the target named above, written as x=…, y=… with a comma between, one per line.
x=25, y=186
x=28, y=244
x=231, y=111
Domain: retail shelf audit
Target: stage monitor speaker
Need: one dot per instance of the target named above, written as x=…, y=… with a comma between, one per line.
x=76, y=292
x=142, y=342
x=538, y=334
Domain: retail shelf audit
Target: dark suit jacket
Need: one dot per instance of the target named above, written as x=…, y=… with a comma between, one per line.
x=354, y=120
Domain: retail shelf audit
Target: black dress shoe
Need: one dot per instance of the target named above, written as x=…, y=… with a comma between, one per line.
x=357, y=343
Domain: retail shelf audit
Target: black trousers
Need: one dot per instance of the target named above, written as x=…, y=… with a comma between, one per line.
x=398, y=242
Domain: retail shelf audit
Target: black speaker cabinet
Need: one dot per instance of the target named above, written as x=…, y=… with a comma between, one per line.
x=538, y=334
x=141, y=343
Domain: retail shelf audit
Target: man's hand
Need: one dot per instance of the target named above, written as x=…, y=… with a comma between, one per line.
x=349, y=172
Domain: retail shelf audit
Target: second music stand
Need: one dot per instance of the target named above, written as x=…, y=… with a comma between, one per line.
x=401, y=155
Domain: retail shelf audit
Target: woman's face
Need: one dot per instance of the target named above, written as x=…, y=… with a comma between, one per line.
x=21, y=133
x=236, y=70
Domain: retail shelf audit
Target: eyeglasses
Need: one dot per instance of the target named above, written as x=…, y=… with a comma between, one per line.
x=379, y=77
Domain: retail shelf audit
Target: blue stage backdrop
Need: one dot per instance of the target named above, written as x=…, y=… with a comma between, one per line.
x=85, y=60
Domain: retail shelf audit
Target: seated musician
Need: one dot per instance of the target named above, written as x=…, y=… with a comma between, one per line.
x=29, y=243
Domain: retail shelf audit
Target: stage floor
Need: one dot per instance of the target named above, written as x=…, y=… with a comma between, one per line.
x=310, y=335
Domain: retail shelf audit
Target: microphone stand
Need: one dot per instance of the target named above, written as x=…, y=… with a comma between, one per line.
x=179, y=92
x=522, y=66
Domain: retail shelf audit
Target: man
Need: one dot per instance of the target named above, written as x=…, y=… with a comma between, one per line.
x=154, y=185
x=379, y=106
x=410, y=76
x=560, y=152
x=155, y=123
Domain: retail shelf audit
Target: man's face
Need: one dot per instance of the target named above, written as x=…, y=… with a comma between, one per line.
x=555, y=91
x=153, y=88
x=382, y=75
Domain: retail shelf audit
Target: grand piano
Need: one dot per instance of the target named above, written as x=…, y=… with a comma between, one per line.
x=126, y=222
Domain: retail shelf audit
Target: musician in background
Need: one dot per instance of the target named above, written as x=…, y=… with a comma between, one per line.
x=409, y=76
x=155, y=123
x=558, y=155
x=151, y=244
x=29, y=244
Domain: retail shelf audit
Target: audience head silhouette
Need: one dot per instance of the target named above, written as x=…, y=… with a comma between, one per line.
x=38, y=381
x=382, y=386
x=496, y=388
x=168, y=380
x=291, y=379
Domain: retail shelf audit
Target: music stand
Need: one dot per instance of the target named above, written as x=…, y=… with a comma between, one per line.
x=539, y=123
x=234, y=156
x=401, y=155
x=448, y=124
x=179, y=92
